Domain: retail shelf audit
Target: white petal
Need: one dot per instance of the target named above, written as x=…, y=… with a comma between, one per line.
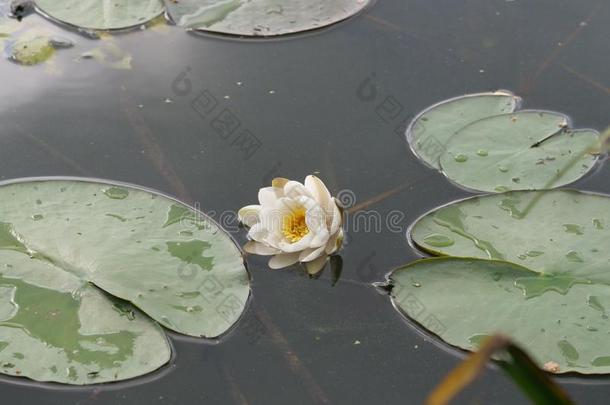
x=257, y=248
x=336, y=220
x=308, y=255
x=268, y=195
x=283, y=260
x=305, y=253
x=331, y=245
x=273, y=240
x=315, y=219
x=248, y=215
x=258, y=232
x=320, y=239
x=335, y=242
x=334, y=216
x=315, y=266
x=294, y=189
x=319, y=192
x=290, y=204
x=306, y=202
x=272, y=217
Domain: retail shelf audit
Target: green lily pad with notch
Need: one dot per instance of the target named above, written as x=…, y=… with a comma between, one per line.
x=526, y=150
x=552, y=232
x=168, y=260
x=431, y=129
x=260, y=17
x=73, y=252
x=101, y=14
x=463, y=300
x=56, y=328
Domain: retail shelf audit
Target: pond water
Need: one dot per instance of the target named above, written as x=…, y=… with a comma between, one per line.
x=334, y=102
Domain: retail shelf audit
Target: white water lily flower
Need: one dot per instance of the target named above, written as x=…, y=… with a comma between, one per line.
x=294, y=222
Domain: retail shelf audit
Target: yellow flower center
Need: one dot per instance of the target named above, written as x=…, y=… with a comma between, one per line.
x=294, y=227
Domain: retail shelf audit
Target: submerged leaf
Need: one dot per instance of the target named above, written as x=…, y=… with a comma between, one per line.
x=429, y=132
x=34, y=47
x=527, y=150
x=108, y=53
x=465, y=300
x=25, y=44
x=557, y=232
x=260, y=17
x=101, y=14
x=31, y=51
x=188, y=275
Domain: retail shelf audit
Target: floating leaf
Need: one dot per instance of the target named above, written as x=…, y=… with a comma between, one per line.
x=260, y=17
x=429, y=132
x=555, y=232
x=57, y=328
x=174, y=264
x=73, y=252
x=465, y=300
x=527, y=150
x=101, y=14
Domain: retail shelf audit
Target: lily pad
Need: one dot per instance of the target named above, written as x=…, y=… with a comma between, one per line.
x=554, y=232
x=464, y=300
x=101, y=14
x=260, y=17
x=173, y=263
x=431, y=129
x=56, y=328
x=527, y=150
x=73, y=252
